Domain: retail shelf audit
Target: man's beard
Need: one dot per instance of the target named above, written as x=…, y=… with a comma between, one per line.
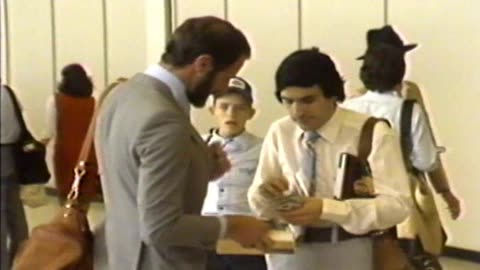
x=198, y=96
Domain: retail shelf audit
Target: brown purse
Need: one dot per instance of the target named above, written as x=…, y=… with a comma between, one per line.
x=66, y=242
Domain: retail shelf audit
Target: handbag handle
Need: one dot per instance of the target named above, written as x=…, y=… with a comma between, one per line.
x=80, y=169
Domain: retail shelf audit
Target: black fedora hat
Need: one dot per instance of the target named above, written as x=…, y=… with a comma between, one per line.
x=386, y=35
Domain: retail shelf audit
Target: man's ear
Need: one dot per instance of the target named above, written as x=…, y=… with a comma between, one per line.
x=203, y=64
x=211, y=109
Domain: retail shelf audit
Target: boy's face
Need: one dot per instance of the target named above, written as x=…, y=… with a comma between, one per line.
x=307, y=106
x=232, y=112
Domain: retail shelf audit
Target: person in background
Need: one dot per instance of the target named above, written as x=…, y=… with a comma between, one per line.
x=69, y=112
x=14, y=227
x=227, y=195
x=382, y=73
x=410, y=90
x=304, y=149
x=155, y=167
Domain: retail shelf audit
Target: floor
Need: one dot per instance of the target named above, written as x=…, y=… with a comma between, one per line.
x=44, y=213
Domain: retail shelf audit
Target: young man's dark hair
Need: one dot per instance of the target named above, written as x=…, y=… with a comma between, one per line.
x=307, y=68
x=206, y=35
x=383, y=68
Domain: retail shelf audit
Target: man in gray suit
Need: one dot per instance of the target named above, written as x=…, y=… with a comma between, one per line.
x=154, y=165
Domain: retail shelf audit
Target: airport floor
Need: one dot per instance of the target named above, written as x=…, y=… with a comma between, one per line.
x=44, y=213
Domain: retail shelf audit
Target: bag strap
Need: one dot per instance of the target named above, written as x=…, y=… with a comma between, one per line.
x=406, y=130
x=25, y=133
x=80, y=169
x=366, y=137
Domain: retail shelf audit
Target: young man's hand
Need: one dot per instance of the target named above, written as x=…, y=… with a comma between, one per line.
x=453, y=204
x=308, y=214
x=222, y=164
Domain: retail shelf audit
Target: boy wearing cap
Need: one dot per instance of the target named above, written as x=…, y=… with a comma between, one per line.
x=304, y=149
x=228, y=195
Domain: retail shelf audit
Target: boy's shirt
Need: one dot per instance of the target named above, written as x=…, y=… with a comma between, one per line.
x=227, y=195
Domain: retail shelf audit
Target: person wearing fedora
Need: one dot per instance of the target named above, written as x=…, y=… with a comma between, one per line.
x=227, y=195
x=382, y=73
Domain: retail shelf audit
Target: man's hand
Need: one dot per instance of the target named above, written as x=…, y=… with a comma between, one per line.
x=222, y=164
x=453, y=204
x=309, y=214
x=248, y=231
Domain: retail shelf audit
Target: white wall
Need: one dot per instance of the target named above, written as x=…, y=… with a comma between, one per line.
x=338, y=29
x=30, y=56
x=3, y=43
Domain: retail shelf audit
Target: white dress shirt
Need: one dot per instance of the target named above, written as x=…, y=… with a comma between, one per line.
x=282, y=152
x=227, y=195
x=179, y=92
x=388, y=105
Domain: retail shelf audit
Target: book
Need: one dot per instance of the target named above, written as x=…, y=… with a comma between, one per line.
x=283, y=241
x=349, y=170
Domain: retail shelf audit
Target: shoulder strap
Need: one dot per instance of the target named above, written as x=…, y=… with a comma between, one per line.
x=406, y=130
x=366, y=137
x=80, y=169
x=25, y=133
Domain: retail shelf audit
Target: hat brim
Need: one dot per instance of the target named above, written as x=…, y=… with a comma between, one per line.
x=405, y=49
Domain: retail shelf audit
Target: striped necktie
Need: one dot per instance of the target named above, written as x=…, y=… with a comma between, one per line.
x=309, y=164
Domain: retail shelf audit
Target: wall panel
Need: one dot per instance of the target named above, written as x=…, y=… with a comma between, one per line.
x=79, y=31
x=271, y=42
x=126, y=36
x=339, y=29
x=30, y=56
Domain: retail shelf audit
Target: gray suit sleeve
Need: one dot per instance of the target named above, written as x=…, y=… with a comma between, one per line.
x=164, y=159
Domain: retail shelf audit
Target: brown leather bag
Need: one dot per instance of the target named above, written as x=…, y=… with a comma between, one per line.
x=66, y=242
x=387, y=253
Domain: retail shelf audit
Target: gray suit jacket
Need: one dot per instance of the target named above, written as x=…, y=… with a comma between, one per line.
x=155, y=170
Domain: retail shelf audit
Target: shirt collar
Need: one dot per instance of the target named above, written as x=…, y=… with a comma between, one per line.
x=176, y=86
x=378, y=95
x=241, y=141
x=329, y=131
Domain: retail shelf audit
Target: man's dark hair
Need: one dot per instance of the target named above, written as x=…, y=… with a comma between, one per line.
x=206, y=35
x=307, y=68
x=383, y=68
x=75, y=81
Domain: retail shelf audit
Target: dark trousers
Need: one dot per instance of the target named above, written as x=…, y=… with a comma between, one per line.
x=235, y=262
x=419, y=258
x=14, y=229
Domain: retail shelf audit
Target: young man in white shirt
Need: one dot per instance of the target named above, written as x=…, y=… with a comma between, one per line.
x=227, y=195
x=309, y=86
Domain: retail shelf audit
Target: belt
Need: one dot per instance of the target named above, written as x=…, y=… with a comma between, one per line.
x=328, y=235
